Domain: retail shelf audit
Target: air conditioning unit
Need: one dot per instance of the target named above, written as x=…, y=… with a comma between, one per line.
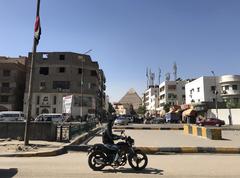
x=41, y=88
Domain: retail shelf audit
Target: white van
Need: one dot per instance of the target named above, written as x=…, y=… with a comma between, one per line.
x=11, y=116
x=52, y=117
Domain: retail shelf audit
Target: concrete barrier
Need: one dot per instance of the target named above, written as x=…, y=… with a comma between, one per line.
x=210, y=133
x=146, y=128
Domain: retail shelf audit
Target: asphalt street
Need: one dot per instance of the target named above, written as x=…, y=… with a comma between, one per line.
x=74, y=164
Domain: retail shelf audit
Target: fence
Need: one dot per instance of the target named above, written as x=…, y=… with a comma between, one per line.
x=44, y=130
x=224, y=115
x=67, y=131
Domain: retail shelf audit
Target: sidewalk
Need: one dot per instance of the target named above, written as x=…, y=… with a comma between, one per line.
x=13, y=148
x=8, y=146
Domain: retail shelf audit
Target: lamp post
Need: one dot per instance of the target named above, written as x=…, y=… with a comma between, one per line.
x=216, y=93
x=29, y=95
x=81, y=111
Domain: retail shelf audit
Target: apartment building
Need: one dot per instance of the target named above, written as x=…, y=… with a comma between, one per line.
x=172, y=92
x=58, y=74
x=203, y=90
x=12, y=83
x=151, y=99
x=230, y=88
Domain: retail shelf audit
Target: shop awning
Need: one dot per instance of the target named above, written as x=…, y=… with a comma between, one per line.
x=162, y=113
x=189, y=112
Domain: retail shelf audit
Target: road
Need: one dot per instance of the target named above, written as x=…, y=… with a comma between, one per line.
x=74, y=164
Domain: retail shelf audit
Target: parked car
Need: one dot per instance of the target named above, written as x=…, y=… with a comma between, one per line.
x=52, y=117
x=210, y=122
x=158, y=120
x=11, y=116
x=121, y=121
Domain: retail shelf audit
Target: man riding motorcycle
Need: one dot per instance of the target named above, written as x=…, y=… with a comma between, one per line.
x=108, y=139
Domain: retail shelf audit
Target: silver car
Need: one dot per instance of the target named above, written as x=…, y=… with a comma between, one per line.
x=121, y=121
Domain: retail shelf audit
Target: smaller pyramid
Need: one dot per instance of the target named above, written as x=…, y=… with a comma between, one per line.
x=131, y=97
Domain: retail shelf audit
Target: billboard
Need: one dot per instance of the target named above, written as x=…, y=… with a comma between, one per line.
x=67, y=104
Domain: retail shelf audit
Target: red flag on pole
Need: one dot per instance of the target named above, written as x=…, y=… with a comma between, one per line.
x=37, y=29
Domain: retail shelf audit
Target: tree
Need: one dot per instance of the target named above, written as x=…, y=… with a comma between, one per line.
x=111, y=109
x=141, y=110
x=232, y=104
x=166, y=107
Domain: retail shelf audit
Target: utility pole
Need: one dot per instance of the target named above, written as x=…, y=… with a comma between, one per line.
x=216, y=93
x=29, y=97
x=82, y=90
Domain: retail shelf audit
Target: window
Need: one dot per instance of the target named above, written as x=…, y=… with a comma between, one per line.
x=6, y=73
x=93, y=73
x=226, y=87
x=55, y=100
x=61, y=69
x=183, y=88
x=191, y=91
x=80, y=70
x=38, y=99
x=4, y=98
x=172, y=87
x=198, y=89
x=162, y=96
x=42, y=84
x=213, y=88
x=37, y=111
x=43, y=70
x=61, y=84
x=54, y=110
x=234, y=87
x=162, y=89
x=62, y=57
x=5, y=85
x=85, y=101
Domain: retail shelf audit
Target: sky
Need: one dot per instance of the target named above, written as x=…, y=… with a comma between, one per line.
x=127, y=36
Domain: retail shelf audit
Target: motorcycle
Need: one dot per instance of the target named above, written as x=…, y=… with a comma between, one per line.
x=101, y=155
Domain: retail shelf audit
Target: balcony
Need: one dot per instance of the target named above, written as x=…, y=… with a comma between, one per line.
x=230, y=92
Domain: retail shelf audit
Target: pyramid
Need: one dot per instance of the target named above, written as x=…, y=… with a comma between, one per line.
x=131, y=97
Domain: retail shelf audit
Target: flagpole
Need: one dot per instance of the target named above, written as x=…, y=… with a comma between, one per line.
x=29, y=96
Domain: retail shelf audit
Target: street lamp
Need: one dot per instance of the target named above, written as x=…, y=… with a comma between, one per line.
x=216, y=93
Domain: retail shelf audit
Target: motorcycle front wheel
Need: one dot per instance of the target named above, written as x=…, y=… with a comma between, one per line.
x=138, y=161
x=96, y=161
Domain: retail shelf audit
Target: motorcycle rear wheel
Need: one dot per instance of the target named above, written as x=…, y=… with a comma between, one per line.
x=94, y=160
x=134, y=160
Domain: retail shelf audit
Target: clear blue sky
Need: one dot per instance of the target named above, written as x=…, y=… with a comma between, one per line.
x=126, y=36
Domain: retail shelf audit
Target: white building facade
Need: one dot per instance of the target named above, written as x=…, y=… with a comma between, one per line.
x=151, y=96
x=172, y=92
x=203, y=90
x=230, y=88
